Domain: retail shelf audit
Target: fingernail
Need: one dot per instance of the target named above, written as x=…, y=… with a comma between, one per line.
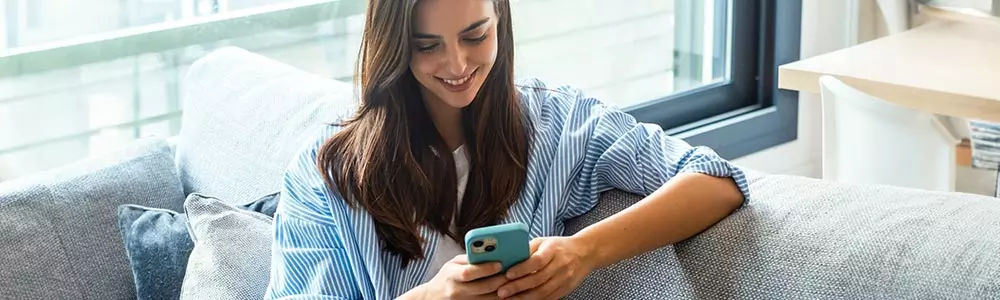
x=503, y=293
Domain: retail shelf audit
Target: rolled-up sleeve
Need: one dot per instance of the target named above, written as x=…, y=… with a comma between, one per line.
x=308, y=260
x=621, y=153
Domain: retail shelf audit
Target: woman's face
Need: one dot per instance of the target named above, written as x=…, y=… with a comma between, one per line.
x=454, y=47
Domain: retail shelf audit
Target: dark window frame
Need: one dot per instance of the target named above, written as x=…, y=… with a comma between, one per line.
x=747, y=113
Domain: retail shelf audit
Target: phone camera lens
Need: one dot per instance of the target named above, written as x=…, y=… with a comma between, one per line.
x=490, y=248
x=477, y=244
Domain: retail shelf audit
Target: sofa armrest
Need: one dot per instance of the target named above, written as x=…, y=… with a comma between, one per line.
x=802, y=238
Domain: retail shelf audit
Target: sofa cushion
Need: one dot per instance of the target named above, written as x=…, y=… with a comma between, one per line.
x=58, y=233
x=158, y=245
x=802, y=238
x=244, y=118
x=231, y=256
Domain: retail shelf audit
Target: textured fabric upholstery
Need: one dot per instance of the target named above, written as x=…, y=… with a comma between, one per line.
x=231, y=256
x=802, y=238
x=58, y=232
x=244, y=117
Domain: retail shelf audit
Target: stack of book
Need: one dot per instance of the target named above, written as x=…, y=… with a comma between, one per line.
x=985, y=138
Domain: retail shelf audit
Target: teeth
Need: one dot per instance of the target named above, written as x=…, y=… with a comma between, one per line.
x=458, y=82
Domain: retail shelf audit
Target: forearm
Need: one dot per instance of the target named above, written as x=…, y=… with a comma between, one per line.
x=686, y=205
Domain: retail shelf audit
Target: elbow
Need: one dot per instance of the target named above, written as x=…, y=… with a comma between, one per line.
x=716, y=194
x=723, y=194
x=727, y=184
x=732, y=197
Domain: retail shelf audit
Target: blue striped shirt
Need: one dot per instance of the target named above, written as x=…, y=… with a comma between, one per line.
x=582, y=147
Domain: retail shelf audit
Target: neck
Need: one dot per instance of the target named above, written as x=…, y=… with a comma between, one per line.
x=447, y=120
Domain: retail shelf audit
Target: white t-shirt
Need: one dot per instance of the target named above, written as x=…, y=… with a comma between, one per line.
x=447, y=248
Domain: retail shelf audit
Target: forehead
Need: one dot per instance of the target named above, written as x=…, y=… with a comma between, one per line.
x=450, y=16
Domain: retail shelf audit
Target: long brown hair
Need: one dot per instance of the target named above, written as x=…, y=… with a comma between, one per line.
x=385, y=158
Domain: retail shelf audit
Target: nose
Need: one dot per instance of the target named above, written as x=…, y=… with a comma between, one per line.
x=455, y=62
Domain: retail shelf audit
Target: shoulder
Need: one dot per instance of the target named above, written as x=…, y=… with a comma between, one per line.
x=550, y=100
x=305, y=192
x=303, y=169
x=536, y=93
x=313, y=141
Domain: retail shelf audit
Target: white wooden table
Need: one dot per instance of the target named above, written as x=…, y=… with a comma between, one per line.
x=947, y=66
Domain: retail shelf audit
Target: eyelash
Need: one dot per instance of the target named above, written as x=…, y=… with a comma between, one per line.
x=474, y=41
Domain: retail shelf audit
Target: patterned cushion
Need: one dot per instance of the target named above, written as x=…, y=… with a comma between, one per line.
x=158, y=245
x=803, y=238
x=231, y=256
x=244, y=117
x=58, y=233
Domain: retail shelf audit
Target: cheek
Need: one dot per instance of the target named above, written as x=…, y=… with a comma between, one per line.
x=486, y=54
x=421, y=66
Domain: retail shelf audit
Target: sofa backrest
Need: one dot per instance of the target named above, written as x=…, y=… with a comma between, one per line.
x=245, y=116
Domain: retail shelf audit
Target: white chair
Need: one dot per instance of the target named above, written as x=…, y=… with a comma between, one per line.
x=871, y=141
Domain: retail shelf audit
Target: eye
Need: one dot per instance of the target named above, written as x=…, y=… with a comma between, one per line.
x=478, y=39
x=427, y=48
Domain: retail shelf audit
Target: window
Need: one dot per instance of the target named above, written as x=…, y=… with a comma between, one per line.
x=758, y=115
x=702, y=69
x=638, y=55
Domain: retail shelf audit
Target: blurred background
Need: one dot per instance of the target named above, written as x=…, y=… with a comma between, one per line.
x=83, y=77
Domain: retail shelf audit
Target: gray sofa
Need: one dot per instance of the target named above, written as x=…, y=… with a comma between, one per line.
x=245, y=115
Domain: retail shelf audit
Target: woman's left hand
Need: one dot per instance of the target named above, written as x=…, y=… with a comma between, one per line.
x=556, y=267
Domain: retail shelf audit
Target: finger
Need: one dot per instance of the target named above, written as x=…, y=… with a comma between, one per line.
x=537, y=261
x=525, y=283
x=477, y=271
x=483, y=297
x=542, y=292
x=461, y=259
x=485, y=286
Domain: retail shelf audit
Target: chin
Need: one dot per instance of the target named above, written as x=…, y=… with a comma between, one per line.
x=459, y=101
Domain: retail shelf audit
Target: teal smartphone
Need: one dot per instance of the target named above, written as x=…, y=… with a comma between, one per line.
x=507, y=244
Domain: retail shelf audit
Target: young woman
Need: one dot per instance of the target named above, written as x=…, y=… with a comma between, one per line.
x=445, y=141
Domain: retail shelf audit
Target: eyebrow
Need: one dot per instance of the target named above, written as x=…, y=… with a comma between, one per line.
x=467, y=29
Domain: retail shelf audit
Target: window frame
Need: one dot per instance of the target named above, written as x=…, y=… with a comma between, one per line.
x=747, y=113
x=704, y=101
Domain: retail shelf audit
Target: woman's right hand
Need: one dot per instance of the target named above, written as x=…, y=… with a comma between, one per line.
x=458, y=279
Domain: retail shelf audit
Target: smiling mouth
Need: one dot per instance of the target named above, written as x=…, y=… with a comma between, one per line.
x=460, y=81
x=457, y=82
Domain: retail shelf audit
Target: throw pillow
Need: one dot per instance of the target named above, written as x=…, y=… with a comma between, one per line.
x=231, y=255
x=158, y=245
